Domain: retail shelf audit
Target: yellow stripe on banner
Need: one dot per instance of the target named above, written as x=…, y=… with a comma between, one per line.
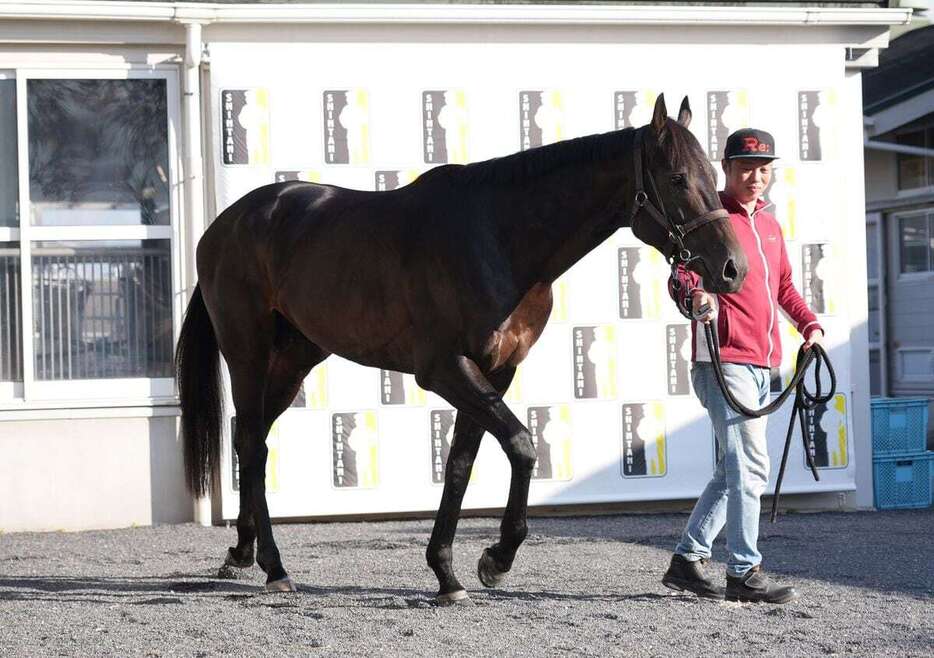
x=557, y=102
x=567, y=470
x=841, y=439
x=660, y=447
x=272, y=458
x=262, y=103
x=316, y=388
x=611, y=362
x=372, y=470
x=364, y=156
x=648, y=97
x=369, y=418
x=363, y=104
x=460, y=101
x=791, y=183
x=514, y=392
x=559, y=293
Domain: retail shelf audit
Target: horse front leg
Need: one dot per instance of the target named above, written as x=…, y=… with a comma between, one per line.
x=496, y=560
x=462, y=383
x=439, y=554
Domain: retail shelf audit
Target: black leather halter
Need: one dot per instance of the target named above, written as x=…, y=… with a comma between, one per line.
x=677, y=253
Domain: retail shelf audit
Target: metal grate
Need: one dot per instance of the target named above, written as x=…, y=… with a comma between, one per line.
x=11, y=347
x=102, y=312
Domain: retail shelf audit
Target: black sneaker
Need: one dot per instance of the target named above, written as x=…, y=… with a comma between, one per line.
x=755, y=587
x=684, y=574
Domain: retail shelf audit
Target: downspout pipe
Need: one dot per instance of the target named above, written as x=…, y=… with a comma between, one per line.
x=194, y=223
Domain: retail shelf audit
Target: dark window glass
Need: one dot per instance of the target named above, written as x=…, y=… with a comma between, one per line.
x=914, y=244
x=11, y=346
x=915, y=171
x=9, y=181
x=98, y=152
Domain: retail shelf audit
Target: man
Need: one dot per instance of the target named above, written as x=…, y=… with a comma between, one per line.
x=747, y=326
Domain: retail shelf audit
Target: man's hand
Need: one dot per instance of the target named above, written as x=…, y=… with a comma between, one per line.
x=698, y=299
x=817, y=338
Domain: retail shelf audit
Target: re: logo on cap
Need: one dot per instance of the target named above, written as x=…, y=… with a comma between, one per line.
x=753, y=144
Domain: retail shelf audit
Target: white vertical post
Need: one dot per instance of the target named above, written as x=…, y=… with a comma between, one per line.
x=193, y=224
x=25, y=236
x=855, y=237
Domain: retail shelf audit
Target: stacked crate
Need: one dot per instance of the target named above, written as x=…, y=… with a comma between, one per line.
x=901, y=465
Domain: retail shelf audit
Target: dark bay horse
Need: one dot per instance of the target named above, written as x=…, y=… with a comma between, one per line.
x=448, y=278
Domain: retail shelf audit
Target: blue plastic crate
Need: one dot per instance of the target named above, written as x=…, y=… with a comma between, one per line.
x=902, y=482
x=899, y=425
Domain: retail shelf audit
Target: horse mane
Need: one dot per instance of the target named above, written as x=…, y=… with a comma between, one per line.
x=542, y=160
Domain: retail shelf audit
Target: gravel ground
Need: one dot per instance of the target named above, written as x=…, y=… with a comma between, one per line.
x=586, y=585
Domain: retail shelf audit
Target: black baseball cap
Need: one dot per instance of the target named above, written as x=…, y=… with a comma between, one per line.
x=750, y=143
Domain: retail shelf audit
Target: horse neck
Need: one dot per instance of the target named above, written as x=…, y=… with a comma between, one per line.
x=563, y=216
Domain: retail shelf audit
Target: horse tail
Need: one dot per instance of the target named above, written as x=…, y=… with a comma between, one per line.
x=197, y=370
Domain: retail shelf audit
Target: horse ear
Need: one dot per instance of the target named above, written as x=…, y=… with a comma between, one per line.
x=684, y=114
x=660, y=115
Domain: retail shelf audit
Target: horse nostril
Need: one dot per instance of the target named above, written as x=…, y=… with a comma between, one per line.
x=730, y=273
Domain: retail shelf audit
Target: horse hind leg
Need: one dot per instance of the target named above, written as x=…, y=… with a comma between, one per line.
x=293, y=357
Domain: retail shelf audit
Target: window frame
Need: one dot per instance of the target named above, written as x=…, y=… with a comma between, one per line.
x=77, y=393
x=900, y=370
x=927, y=131
x=897, y=223
x=875, y=224
x=10, y=390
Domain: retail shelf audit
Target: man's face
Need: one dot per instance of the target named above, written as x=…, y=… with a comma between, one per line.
x=747, y=178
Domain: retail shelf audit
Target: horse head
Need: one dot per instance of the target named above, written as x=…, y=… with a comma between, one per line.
x=676, y=207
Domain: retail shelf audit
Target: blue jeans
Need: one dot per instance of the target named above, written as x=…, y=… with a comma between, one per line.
x=731, y=497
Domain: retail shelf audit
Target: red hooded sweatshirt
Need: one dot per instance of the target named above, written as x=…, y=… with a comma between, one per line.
x=747, y=321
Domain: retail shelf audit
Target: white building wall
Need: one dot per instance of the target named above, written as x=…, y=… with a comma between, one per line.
x=81, y=473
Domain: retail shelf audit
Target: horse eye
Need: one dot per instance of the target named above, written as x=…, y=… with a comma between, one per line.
x=679, y=180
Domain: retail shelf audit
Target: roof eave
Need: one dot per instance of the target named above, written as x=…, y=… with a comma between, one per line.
x=406, y=13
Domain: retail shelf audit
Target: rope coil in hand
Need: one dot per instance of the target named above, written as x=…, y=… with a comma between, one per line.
x=804, y=399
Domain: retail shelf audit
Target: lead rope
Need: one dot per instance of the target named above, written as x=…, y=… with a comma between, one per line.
x=804, y=399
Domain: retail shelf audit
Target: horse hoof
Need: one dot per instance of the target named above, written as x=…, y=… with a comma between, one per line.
x=231, y=561
x=487, y=571
x=227, y=572
x=459, y=597
x=281, y=585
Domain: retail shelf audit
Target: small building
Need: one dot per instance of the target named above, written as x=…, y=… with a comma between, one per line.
x=898, y=99
x=126, y=126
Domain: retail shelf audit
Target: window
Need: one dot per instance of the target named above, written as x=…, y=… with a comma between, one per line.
x=916, y=243
x=915, y=171
x=875, y=280
x=86, y=258
x=102, y=309
x=9, y=181
x=875, y=373
x=98, y=152
x=916, y=364
x=11, y=350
